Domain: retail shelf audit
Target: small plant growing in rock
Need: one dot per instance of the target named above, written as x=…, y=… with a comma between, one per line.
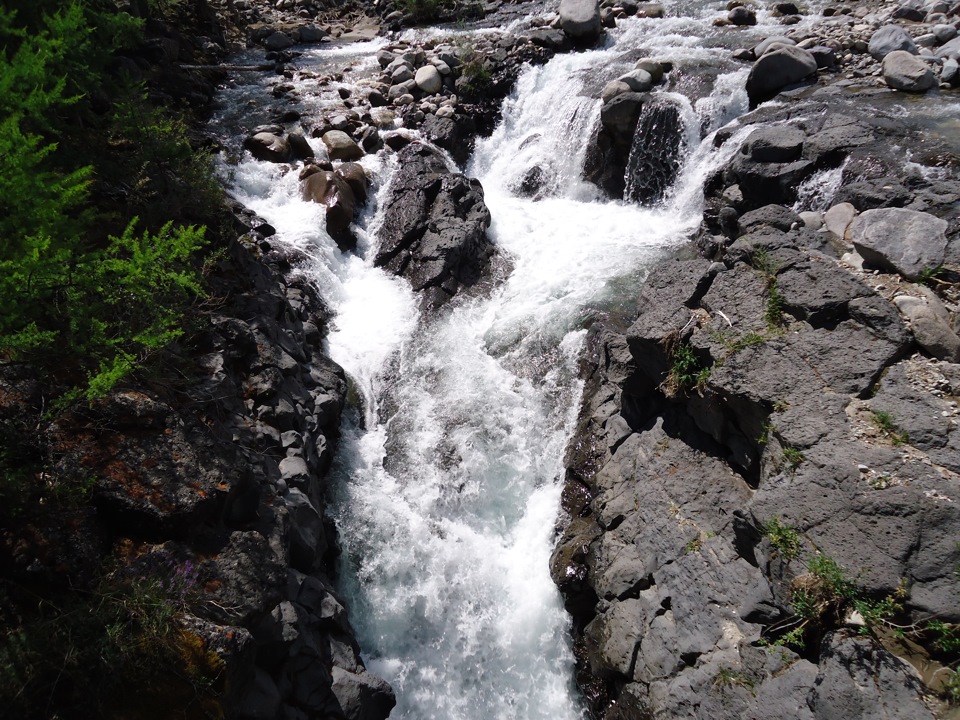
x=885, y=421
x=784, y=539
x=793, y=456
x=686, y=369
x=693, y=546
x=730, y=678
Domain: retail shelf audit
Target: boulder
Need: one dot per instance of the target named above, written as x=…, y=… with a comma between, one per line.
x=889, y=38
x=950, y=49
x=656, y=69
x=901, y=240
x=906, y=72
x=777, y=69
x=838, y=218
x=769, y=42
x=362, y=696
x=930, y=323
x=434, y=232
x=309, y=34
x=428, y=80
x=268, y=146
x=341, y=146
x=775, y=144
x=637, y=80
x=299, y=146
x=277, y=41
x=742, y=15
x=621, y=113
x=580, y=20
x=333, y=191
x=356, y=178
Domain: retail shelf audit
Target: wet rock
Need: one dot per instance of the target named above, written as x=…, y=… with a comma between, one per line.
x=768, y=43
x=742, y=15
x=580, y=20
x=277, y=41
x=341, y=146
x=299, y=146
x=905, y=241
x=777, y=69
x=362, y=696
x=268, y=146
x=775, y=216
x=903, y=71
x=889, y=38
x=334, y=192
x=435, y=229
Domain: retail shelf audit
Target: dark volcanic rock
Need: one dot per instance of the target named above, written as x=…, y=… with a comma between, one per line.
x=434, y=233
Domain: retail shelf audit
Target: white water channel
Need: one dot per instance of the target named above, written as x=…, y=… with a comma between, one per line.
x=448, y=481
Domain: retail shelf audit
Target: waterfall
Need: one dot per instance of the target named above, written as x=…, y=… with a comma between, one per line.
x=448, y=475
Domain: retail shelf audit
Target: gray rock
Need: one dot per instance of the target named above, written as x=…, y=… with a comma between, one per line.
x=637, y=80
x=905, y=241
x=903, y=71
x=950, y=49
x=306, y=534
x=310, y=34
x=777, y=69
x=341, y=146
x=811, y=219
x=944, y=33
x=742, y=15
x=277, y=41
x=435, y=232
x=612, y=89
x=889, y=38
x=362, y=696
x=653, y=67
x=859, y=679
x=580, y=19
x=838, y=218
x=776, y=216
x=765, y=44
x=428, y=79
x=621, y=113
x=950, y=72
x=930, y=324
x=779, y=144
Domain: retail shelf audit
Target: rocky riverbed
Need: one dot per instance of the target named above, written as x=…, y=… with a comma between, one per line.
x=759, y=511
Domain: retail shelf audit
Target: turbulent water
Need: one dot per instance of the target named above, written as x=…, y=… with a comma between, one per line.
x=448, y=477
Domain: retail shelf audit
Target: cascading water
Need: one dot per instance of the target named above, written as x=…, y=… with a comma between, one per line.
x=448, y=478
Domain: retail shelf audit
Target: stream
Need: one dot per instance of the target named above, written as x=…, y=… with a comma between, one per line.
x=449, y=471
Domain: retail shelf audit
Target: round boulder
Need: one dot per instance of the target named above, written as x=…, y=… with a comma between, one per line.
x=906, y=72
x=428, y=79
x=269, y=146
x=333, y=191
x=580, y=20
x=341, y=146
x=637, y=80
x=889, y=38
x=778, y=68
x=742, y=16
x=277, y=41
x=904, y=241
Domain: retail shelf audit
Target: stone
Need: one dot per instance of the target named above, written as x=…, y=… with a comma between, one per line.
x=637, y=80
x=838, y=218
x=277, y=41
x=341, y=146
x=306, y=534
x=612, y=89
x=656, y=69
x=767, y=43
x=428, y=79
x=580, y=20
x=904, y=241
x=333, y=191
x=950, y=72
x=778, y=68
x=930, y=324
x=268, y=146
x=950, y=49
x=620, y=113
x=811, y=220
x=889, y=38
x=903, y=71
x=310, y=34
x=362, y=696
x=742, y=15
x=299, y=146
x=434, y=233
x=775, y=144
x=776, y=216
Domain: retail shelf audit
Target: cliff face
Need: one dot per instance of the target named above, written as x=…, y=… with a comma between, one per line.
x=761, y=495
x=209, y=479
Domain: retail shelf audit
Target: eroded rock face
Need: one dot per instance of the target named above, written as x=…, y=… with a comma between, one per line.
x=434, y=233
